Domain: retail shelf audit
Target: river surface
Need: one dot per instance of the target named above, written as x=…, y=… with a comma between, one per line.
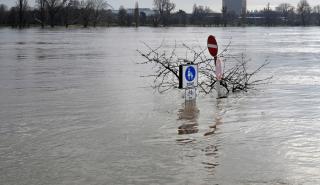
x=75, y=110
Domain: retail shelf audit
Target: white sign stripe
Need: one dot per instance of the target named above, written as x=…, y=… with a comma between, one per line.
x=212, y=46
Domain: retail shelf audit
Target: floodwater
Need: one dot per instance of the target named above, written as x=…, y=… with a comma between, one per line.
x=75, y=110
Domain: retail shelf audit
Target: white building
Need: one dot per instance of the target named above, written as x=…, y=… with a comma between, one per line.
x=238, y=7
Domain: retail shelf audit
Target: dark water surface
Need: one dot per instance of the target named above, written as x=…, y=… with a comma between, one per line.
x=74, y=110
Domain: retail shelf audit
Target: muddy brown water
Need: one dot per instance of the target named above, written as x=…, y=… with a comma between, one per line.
x=74, y=110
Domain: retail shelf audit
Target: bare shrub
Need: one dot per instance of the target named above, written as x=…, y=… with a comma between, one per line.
x=236, y=76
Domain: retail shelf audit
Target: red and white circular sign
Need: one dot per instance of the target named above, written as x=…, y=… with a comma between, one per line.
x=212, y=46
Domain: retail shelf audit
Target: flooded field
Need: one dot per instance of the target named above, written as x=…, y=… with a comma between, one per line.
x=75, y=110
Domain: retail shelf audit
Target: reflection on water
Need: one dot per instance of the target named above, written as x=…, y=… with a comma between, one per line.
x=189, y=115
x=213, y=127
x=189, y=118
x=211, y=151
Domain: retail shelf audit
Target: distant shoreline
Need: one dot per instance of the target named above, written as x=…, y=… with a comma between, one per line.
x=160, y=27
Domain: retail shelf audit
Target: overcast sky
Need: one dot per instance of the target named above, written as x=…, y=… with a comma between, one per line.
x=187, y=4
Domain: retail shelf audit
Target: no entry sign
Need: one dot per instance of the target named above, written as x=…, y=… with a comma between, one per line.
x=212, y=46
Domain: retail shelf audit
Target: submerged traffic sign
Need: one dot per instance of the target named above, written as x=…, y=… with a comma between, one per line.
x=190, y=94
x=190, y=73
x=188, y=76
x=212, y=46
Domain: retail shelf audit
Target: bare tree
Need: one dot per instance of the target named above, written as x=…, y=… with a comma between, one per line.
x=291, y=16
x=3, y=10
x=316, y=11
x=122, y=16
x=182, y=17
x=22, y=6
x=136, y=14
x=41, y=6
x=109, y=17
x=53, y=7
x=66, y=13
x=199, y=14
x=236, y=76
x=98, y=6
x=267, y=14
x=164, y=7
x=12, y=17
x=86, y=11
x=284, y=9
x=304, y=11
x=70, y=13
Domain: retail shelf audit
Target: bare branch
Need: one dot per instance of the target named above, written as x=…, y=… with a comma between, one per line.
x=166, y=75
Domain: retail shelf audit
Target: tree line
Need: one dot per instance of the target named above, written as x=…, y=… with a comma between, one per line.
x=286, y=14
x=100, y=13
x=56, y=12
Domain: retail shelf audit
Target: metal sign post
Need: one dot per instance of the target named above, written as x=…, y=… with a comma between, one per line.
x=218, y=76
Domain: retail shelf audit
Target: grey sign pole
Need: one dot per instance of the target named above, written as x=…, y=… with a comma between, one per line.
x=218, y=70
